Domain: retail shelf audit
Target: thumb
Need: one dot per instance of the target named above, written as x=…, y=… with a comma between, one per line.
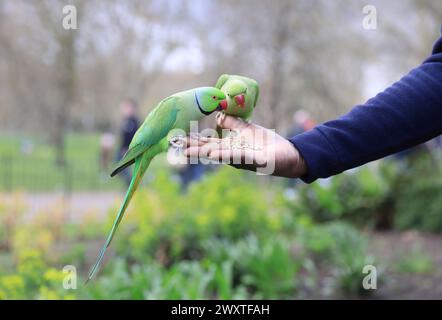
x=225, y=121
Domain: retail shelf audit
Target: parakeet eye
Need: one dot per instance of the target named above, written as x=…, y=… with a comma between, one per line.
x=214, y=97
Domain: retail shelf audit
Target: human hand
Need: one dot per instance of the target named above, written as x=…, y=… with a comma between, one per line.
x=248, y=147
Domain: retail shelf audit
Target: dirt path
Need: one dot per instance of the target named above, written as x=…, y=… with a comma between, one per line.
x=75, y=206
x=391, y=247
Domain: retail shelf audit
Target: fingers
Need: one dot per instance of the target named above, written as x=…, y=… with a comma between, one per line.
x=248, y=167
x=200, y=141
x=195, y=141
x=223, y=155
x=228, y=122
x=207, y=148
x=213, y=150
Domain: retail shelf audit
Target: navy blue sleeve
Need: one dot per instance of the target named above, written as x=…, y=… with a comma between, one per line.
x=404, y=115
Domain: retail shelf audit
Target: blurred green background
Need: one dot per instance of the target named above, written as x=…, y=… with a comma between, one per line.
x=227, y=234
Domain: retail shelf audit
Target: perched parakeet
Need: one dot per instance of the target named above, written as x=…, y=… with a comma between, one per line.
x=155, y=135
x=241, y=94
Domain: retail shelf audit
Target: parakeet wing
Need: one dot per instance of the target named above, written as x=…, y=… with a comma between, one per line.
x=156, y=127
x=221, y=80
x=256, y=86
x=236, y=87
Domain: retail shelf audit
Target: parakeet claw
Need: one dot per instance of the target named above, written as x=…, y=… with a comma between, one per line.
x=177, y=142
x=220, y=117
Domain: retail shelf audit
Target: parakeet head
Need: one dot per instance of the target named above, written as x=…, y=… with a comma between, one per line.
x=241, y=94
x=210, y=99
x=236, y=90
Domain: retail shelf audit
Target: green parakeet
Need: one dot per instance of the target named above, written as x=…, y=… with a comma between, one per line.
x=154, y=136
x=241, y=94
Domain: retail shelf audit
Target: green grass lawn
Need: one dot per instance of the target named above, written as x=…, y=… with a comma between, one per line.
x=37, y=171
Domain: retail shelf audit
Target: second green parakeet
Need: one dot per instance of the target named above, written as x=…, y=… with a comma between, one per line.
x=241, y=94
x=154, y=136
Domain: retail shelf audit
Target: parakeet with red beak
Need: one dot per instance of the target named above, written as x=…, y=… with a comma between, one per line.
x=241, y=95
x=154, y=136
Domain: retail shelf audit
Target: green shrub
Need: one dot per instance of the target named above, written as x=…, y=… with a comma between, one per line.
x=403, y=194
x=349, y=255
x=184, y=280
x=353, y=195
x=419, y=196
x=247, y=268
x=227, y=209
x=341, y=249
x=239, y=237
x=11, y=213
x=33, y=279
x=172, y=226
x=265, y=267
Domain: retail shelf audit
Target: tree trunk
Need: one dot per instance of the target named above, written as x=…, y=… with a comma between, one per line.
x=66, y=87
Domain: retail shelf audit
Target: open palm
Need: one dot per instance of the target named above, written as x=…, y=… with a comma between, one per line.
x=248, y=146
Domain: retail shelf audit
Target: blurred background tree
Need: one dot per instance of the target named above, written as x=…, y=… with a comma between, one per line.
x=306, y=54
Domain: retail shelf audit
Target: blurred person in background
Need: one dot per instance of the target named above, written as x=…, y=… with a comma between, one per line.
x=186, y=172
x=302, y=122
x=107, y=142
x=190, y=173
x=26, y=147
x=129, y=126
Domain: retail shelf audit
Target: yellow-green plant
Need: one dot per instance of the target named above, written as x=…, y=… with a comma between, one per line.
x=11, y=213
x=33, y=279
x=168, y=224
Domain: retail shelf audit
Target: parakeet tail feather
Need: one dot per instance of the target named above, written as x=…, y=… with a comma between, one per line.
x=121, y=168
x=139, y=169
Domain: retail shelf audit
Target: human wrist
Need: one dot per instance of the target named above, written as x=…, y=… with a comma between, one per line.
x=293, y=165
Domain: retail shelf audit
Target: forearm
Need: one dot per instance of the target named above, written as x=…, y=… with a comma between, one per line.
x=406, y=114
